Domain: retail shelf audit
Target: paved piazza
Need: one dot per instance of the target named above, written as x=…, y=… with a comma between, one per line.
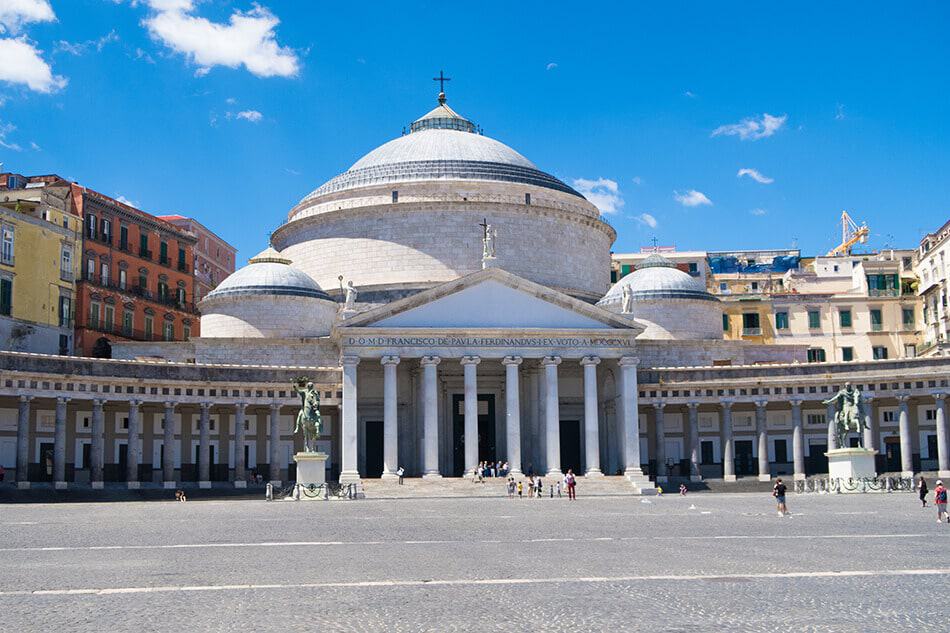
x=707, y=562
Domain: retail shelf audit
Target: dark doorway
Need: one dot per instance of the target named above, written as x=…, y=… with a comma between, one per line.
x=892, y=454
x=817, y=461
x=87, y=456
x=46, y=461
x=374, y=448
x=744, y=461
x=571, y=446
x=122, y=475
x=486, y=430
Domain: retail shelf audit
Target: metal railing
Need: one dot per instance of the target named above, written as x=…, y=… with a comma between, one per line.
x=751, y=331
x=883, y=292
x=838, y=485
x=325, y=492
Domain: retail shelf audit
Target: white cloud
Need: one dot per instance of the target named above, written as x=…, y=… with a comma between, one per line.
x=230, y=101
x=5, y=129
x=646, y=218
x=691, y=198
x=143, y=56
x=758, y=211
x=603, y=193
x=250, y=115
x=35, y=147
x=690, y=94
x=15, y=13
x=755, y=175
x=124, y=200
x=292, y=172
x=637, y=180
x=551, y=66
x=22, y=64
x=80, y=48
x=839, y=112
x=248, y=39
x=750, y=129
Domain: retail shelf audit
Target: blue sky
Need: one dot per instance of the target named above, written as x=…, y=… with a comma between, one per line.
x=233, y=111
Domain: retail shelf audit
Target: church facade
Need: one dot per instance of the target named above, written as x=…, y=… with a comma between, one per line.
x=452, y=304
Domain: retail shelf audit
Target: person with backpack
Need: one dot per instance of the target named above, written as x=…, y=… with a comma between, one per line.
x=940, y=500
x=778, y=491
x=571, y=481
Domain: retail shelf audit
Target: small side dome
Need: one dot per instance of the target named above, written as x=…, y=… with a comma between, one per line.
x=267, y=298
x=668, y=301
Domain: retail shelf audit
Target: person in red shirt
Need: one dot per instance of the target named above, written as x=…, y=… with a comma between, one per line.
x=940, y=500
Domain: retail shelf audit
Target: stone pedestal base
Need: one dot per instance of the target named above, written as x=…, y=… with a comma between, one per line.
x=169, y=485
x=765, y=477
x=799, y=477
x=204, y=484
x=640, y=482
x=133, y=485
x=729, y=478
x=240, y=484
x=851, y=463
x=594, y=472
x=943, y=474
x=389, y=476
x=60, y=485
x=312, y=469
x=23, y=485
x=426, y=476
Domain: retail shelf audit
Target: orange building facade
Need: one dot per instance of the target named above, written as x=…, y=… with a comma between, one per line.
x=137, y=280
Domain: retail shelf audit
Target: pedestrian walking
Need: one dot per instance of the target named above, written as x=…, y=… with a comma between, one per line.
x=530, y=487
x=520, y=489
x=538, y=486
x=511, y=488
x=559, y=490
x=401, y=472
x=571, y=481
x=922, y=490
x=940, y=500
x=778, y=491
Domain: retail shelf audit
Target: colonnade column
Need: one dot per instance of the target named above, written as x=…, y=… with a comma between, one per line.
x=662, y=475
x=830, y=413
x=168, y=444
x=133, y=448
x=23, y=443
x=761, y=431
x=59, y=445
x=430, y=416
x=349, y=469
x=274, y=458
x=204, y=446
x=728, y=450
x=629, y=401
x=798, y=441
x=469, y=363
x=869, y=439
x=552, y=416
x=943, y=458
x=591, y=430
x=97, y=450
x=513, y=413
x=903, y=422
x=240, y=466
x=390, y=417
x=695, y=473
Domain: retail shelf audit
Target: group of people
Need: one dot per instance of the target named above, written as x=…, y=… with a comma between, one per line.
x=940, y=498
x=533, y=486
x=490, y=469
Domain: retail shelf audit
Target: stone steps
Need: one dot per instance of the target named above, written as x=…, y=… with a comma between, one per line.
x=491, y=487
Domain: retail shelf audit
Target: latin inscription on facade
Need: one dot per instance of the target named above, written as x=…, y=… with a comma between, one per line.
x=483, y=341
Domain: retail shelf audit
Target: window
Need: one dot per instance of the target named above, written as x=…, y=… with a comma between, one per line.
x=91, y=226
x=755, y=286
x=124, y=238
x=6, y=254
x=169, y=331
x=888, y=416
x=90, y=269
x=106, y=230
x=109, y=317
x=930, y=415
x=781, y=320
x=844, y=317
x=910, y=350
x=880, y=352
x=781, y=451
x=6, y=296
x=181, y=294
x=123, y=279
x=182, y=265
x=877, y=320
x=693, y=268
x=65, y=311
x=723, y=286
x=104, y=274
x=163, y=253
x=143, y=246
x=750, y=324
x=186, y=332
x=395, y=197
x=66, y=264
x=725, y=322
x=907, y=317
x=143, y=282
x=706, y=449
x=816, y=355
x=127, y=322
x=527, y=199
x=847, y=354
x=814, y=319
x=149, y=322
x=162, y=290
x=815, y=419
x=94, y=315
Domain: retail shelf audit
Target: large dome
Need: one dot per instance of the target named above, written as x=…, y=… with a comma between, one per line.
x=268, y=274
x=440, y=145
x=658, y=278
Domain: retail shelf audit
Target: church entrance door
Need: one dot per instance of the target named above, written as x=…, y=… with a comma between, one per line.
x=744, y=461
x=374, y=448
x=571, y=446
x=487, y=451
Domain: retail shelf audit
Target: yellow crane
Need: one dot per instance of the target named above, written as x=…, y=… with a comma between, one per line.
x=851, y=234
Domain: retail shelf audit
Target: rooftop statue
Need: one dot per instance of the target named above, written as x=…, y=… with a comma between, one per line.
x=351, y=293
x=849, y=416
x=308, y=419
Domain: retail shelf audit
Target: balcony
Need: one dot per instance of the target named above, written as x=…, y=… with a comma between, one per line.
x=124, y=246
x=182, y=267
x=144, y=253
x=883, y=292
x=66, y=275
x=751, y=331
x=117, y=329
x=173, y=302
x=164, y=261
x=877, y=327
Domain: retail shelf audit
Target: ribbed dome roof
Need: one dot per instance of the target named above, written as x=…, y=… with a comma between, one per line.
x=268, y=273
x=441, y=145
x=658, y=278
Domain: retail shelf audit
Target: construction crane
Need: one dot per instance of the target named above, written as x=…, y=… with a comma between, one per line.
x=851, y=234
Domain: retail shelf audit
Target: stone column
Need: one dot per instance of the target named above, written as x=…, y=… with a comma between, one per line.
x=430, y=415
x=168, y=443
x=97, y=450
x=204, y=446
x=728, y=450
x=469, y=364
x=695, y=472
x=240, y=466
x=23, y=443
x=798, y=441
x=133, y=450
x=943, y=458
x=390, y=417
x=59, y=445
x=513, y=413
x=274, y=457
x=907, y=456
x=349, y=470
x=869, y=438
x=591, y=430
x=660, y=437
x=629, y=411
x=761, y=431
x=830, y=413
x=552, y=416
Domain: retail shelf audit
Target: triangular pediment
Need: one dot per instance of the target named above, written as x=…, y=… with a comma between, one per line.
x=491, y=298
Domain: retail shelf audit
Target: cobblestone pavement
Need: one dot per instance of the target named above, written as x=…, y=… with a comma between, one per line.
x=699, y=563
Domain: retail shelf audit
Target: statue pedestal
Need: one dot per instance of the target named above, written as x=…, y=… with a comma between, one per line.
x=851, y=463
x=311, y=471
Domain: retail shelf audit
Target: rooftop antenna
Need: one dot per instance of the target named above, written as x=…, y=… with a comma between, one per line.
x=441, y=79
